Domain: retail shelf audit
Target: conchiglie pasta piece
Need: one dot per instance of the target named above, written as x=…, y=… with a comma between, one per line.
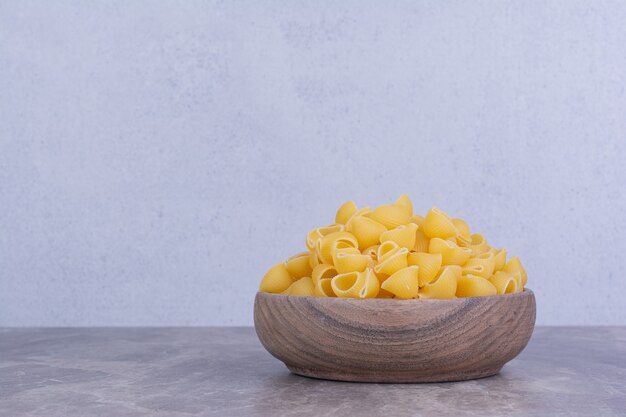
x=381, y=277
x=323, y=288
x=372, y=252
x=276, y=280
x=463, y=238
x=504, y=282
x=518, y=278
x=474, y=286
x=429, y=265
x=393, y=262
x=302, y=287
x=514, y=265
x=444, y=285
x=362, y=211
x=405, y=202
x=463, y=230
x=384, y=294
x=478, y=244
x=366, y=231
x=311, y=239
x=477, y=270
x=404, y=235
x=390, y=215
x=482, y=265
x=372, y=285
x=359, y=213
x=346, y=260
x=298, y=265
x=438, y=224
x=500, y=258
x=417, y=219
x=323, y=271
x=385, y=249
x=451, y=253
x=314, y=259
x=333, y=241
x=316, y=234
x=351, y=250
x=421, y=241
x=349, y=285
x=346, y=211
x=403, y=283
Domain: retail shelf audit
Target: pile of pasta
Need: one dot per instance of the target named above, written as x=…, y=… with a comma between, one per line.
x=390, y=252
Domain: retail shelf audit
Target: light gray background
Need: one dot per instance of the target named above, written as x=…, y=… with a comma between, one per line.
x=157, y=157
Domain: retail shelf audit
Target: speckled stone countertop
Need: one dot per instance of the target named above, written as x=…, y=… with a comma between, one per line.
x=114, y=372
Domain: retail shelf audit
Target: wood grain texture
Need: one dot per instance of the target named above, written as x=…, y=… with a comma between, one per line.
x=385, y=340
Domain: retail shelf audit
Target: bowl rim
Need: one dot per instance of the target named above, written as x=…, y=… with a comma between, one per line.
x=527, y=292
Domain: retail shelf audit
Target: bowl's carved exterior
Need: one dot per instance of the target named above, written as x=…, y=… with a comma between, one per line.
x=385, y=340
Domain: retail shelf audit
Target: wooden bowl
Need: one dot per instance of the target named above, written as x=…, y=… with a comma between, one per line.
x=390, y=340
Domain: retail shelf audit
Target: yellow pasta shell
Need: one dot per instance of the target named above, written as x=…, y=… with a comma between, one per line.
x=417, y=219
x=323, y=288
x=429, y=265
x=346, y=260
x=366, y=230
x=477, y=270
x=421, y=241
x=444, y=285
x=403, y=283
x=474, y=286
x=346, y=211
x=314, y=259
x=298, y=265
x=348, y=285
x=372, y=252
x=333, y=241
x=405, y=202
x=460, y=241
x=316, y=234
x=504, y=282
x=403, y=236
x=482, y=265
x=323, y=271
x=451, y=253
x=500, y=258
x=393, y=262
x=372, y=285
x=438, y=224
x=384, y=294
x=350, y=250
x=463, y=230
x=385, y=249
x=356, y=284
x=276, y=279
x=479, y=244
x=514, y=265
x=390, y=215
x=359, y=213
x=302, y=287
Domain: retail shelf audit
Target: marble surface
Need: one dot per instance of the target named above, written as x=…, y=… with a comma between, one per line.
x=564, y=371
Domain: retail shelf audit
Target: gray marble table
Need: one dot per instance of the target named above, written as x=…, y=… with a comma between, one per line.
x=112, y=372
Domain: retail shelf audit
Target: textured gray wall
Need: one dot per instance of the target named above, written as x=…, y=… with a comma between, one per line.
x=157, y=157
